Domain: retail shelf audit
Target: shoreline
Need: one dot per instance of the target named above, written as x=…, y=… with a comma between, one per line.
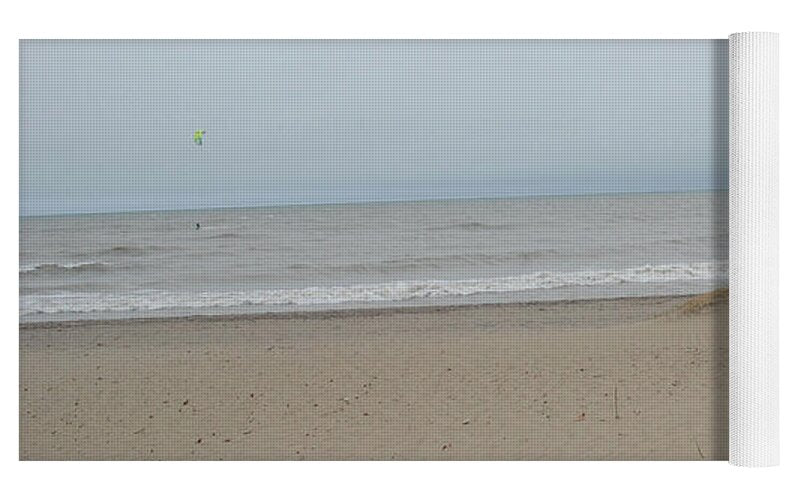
x=373, y=311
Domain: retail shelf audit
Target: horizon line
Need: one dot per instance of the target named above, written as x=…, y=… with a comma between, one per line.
x=367, y=202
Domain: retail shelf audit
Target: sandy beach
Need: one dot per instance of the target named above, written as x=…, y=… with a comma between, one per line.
x=585, y=380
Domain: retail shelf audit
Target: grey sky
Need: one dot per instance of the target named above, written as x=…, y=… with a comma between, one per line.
x=108, y=125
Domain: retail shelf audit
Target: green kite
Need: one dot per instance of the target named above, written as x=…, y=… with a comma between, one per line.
x=198, y=137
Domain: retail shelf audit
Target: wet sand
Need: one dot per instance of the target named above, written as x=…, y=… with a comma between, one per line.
x=584, y=380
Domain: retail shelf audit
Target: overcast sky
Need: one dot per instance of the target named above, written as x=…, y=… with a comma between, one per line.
x=108, y=125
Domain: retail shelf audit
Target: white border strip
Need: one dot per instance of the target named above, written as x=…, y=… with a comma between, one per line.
x=754, y=419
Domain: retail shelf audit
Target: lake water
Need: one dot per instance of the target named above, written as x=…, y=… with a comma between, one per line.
x=376, y=254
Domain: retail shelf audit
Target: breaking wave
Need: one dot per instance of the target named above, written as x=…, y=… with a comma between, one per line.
x=395, y=292
x=55, y=268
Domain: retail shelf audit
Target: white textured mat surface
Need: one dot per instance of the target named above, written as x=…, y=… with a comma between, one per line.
x=754, y=420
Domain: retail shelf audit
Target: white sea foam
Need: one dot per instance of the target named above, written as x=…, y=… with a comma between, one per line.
x=61, y=267
x=394, y=292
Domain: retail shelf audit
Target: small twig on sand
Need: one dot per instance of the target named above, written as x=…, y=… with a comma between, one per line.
x=616, y=402
x=700, y=452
